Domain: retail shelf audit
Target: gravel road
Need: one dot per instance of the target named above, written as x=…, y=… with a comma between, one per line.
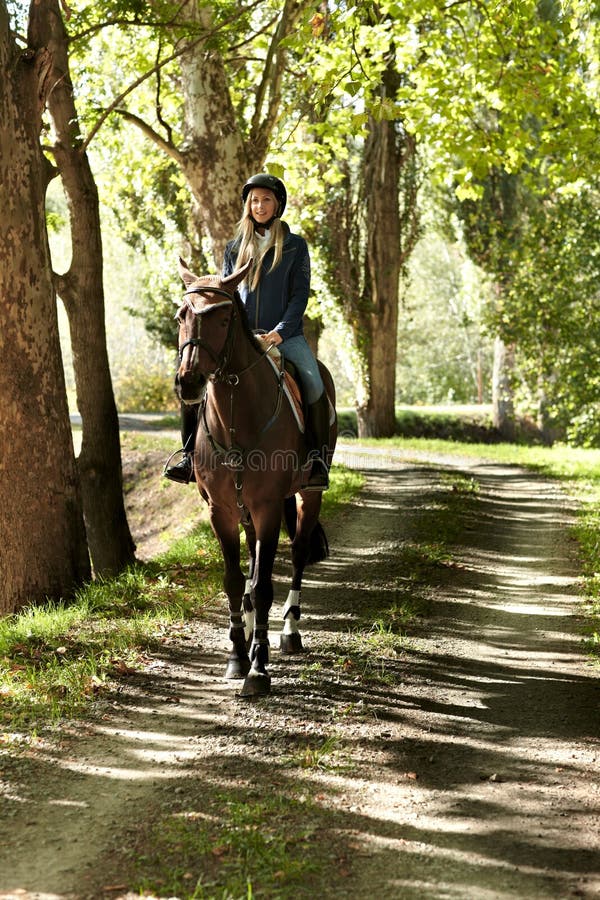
x=469, y=769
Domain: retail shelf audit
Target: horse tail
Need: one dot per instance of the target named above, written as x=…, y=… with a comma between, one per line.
x=318, y=545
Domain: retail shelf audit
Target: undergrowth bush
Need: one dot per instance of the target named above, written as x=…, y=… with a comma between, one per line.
x=143, y=389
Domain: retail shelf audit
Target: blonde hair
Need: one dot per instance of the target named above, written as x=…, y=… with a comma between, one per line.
x=251, y=248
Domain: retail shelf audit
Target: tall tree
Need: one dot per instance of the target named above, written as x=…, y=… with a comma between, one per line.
x=366, y=244
x=506, y=196
x=218, y=75
x=484, y=90
x=493, y=225
x=368, y=224
x=42, y=535
x=81, y=289
x=550, y=312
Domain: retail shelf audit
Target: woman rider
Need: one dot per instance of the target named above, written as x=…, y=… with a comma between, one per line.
x=275, y=294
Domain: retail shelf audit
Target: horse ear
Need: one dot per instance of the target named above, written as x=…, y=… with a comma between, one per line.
x=187, y=277
x=234, y=279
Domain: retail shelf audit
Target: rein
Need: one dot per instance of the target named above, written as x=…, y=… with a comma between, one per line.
x=234, y=455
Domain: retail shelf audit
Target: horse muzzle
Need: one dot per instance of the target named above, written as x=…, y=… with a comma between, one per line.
x=190, y=387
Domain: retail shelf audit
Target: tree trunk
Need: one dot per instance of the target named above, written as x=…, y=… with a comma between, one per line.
x=42, y=535
x=81, y=289
x=503, y=409
x=366, y=284
x=214, y=159
x=387, y=150
x=216, y=156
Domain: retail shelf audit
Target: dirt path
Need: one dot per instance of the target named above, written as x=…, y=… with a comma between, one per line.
x=469, y=769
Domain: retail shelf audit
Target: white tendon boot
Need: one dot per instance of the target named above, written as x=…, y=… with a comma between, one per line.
x=290, y=641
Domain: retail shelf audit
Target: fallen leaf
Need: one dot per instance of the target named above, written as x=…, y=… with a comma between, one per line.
x=122, y=668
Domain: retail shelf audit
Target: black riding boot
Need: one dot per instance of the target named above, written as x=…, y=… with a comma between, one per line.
x=183, y=471
x=317, y=427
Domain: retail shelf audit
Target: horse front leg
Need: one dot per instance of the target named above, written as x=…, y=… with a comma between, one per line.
x=248, y=598
x=258, y=680
x=227, y=531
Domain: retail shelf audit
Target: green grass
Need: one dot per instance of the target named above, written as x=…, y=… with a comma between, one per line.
x=560, y=461
x=317, y=755
x=235, y=845
x=56, y=659
x=576, y=468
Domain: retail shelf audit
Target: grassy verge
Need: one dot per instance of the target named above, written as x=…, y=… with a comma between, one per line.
x=577, y=469
x=56, y=659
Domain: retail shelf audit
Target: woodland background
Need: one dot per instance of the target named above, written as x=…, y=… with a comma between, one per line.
x=441, y=159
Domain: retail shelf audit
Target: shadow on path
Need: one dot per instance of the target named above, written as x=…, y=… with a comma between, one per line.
x=467, y=768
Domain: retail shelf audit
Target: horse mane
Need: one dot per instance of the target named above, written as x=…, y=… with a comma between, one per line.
x=243, y=315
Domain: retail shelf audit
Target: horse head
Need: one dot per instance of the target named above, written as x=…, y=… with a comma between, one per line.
x=206, y=328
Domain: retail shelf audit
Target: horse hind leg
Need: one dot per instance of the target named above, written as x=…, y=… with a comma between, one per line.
x=290, y=640
x=309, y=545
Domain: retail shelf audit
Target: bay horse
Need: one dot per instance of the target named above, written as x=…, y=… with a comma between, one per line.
x=250, y=462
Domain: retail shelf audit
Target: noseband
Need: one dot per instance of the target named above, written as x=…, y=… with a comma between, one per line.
x=222, y=359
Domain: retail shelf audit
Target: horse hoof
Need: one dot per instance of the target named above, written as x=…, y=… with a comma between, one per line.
x=237, y=668
x=257, y=684
x=291, y=643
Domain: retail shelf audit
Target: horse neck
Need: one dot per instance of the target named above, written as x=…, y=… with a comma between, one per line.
x=255, y=390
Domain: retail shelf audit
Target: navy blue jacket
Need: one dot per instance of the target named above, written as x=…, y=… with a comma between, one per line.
x=280, y=299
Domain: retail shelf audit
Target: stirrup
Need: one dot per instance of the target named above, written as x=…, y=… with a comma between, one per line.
x=183, y=471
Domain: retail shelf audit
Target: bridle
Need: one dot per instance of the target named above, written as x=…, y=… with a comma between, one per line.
x=221, y=360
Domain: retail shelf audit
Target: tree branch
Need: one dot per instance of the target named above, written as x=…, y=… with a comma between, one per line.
x=166, y=146
x=113, y=106
x=270, y=85
x=175, y=55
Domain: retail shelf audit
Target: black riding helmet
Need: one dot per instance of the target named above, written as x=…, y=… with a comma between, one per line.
x=264, y=180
